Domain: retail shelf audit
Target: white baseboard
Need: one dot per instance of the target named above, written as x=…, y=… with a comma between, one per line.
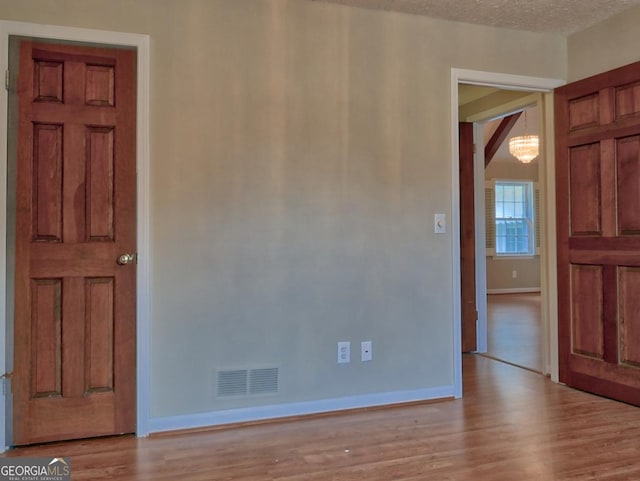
x=513, y=290
x=259, y=413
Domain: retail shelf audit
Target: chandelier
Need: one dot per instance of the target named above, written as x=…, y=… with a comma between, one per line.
x=525, y=147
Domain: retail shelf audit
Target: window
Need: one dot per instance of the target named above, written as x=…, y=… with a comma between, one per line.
x=514, y=218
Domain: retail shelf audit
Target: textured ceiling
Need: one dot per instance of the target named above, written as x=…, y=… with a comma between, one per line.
x=548, y=16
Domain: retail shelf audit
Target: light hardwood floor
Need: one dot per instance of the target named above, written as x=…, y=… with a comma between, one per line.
x=514, y=330
x=511, y=425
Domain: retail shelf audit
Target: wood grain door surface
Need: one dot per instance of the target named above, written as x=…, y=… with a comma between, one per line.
x=74, y=347
x=598, y=220
x=467, y=239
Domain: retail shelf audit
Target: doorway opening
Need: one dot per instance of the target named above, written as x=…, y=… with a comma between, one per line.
x=496, y=96
x=512, y=211
x=508, y=255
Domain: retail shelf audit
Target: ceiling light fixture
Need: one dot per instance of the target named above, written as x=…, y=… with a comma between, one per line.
x=525, y=147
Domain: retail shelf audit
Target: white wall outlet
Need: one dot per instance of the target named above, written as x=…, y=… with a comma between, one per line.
x=344, y=352
x=440, y=224
x=366, y=352
x=514, y=274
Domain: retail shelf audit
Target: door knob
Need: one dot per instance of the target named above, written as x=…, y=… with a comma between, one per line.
x=125, y=259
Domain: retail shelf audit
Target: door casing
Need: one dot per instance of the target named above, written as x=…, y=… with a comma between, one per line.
x=547, y=179
x=143, y=307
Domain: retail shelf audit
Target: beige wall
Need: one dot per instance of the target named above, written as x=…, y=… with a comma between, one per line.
x=298, y=154
x=605, y=46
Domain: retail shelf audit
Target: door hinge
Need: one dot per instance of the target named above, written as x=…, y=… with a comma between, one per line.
x=474, y=148
x=7, y=80
x=5, y=377
x=477, y=315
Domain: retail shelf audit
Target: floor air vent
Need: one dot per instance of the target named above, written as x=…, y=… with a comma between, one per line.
x=247, y=382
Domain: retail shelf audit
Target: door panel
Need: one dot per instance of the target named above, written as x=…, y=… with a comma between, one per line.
x=598, y=212
x=629, y=302
x=74, y=373
x=585, y=185
x=467, y=239
x=628, y=168
x=586, y=310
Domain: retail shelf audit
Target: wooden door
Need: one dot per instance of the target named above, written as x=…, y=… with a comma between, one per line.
x=598, y=220
x=467, y=239
x=74, y=365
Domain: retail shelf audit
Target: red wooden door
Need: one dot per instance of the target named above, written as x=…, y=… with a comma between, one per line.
x=467, y=239
x=74, y=348
x=598, y=212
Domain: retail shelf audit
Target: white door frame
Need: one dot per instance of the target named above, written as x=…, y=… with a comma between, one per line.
x=480, y=244
x=143, y=294
x=547, y=179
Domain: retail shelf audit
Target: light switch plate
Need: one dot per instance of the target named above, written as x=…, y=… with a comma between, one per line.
x=440, y=224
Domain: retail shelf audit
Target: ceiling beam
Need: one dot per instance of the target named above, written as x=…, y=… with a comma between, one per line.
x=499, y=136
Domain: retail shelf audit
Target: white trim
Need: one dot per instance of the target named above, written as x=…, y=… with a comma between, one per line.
x=4, y=98
x=142, y=44
x=456, y=308
x=513, y=257
x=258, y=413
x=480, y=243
x=504, y=109
x=506, y=81
x=492, y=79
x=548, y=255
x=514, y=290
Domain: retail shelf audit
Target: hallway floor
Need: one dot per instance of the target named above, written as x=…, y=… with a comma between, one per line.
x=514, y=329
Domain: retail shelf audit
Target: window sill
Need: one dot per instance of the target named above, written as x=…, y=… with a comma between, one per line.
x=513, y=257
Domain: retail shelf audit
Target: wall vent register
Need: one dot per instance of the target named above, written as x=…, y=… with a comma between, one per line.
x=246, y=382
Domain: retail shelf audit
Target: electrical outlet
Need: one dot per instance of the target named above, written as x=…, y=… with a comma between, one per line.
x=366, y=352
x=344, y=352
